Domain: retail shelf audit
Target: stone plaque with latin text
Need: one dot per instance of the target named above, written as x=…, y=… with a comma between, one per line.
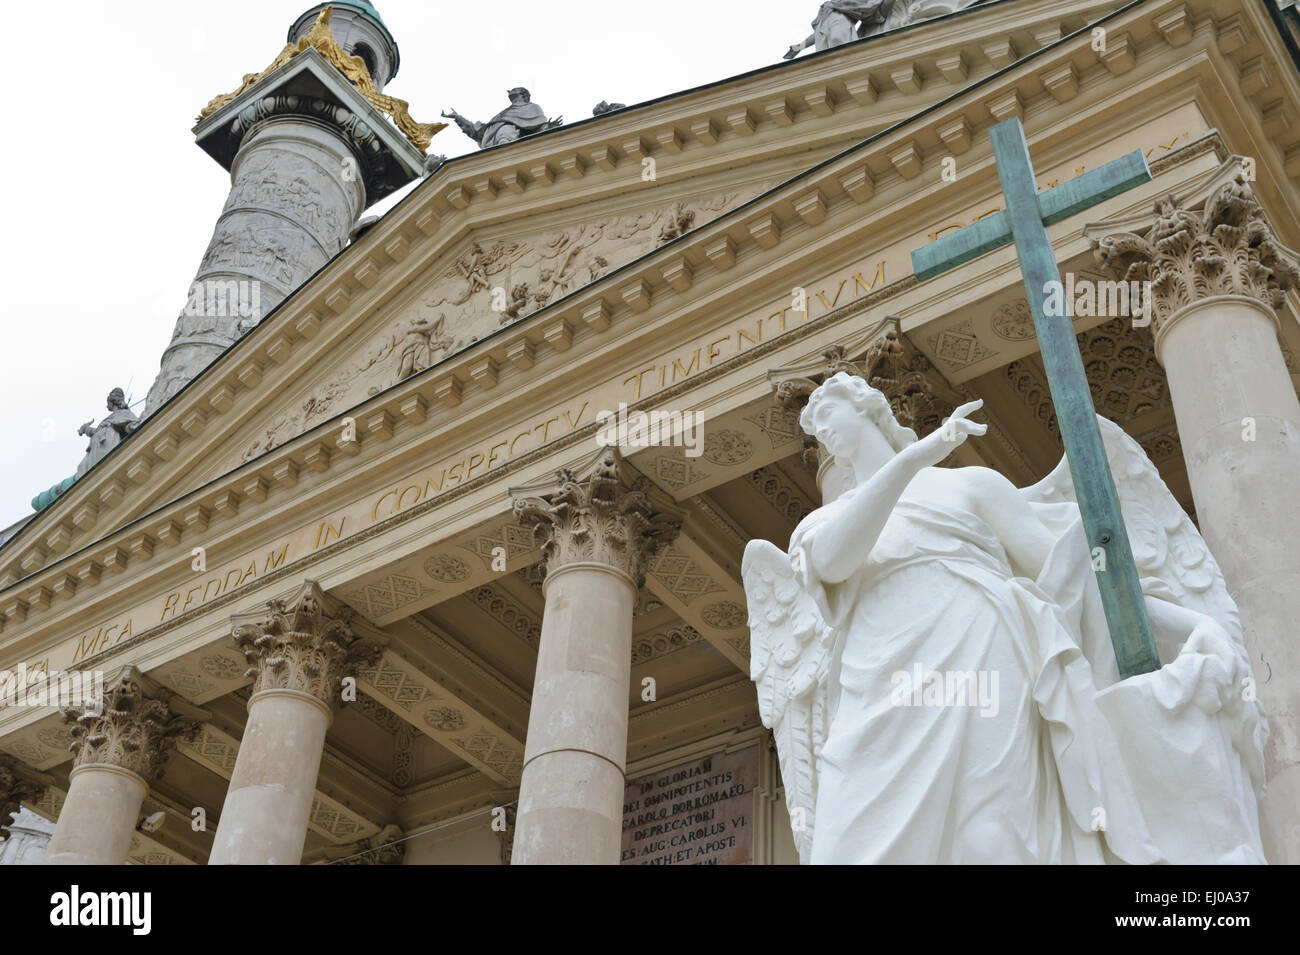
x=696, y=813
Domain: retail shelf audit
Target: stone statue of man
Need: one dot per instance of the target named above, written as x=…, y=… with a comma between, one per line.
x=109, y=433
x=521, y=118
x=843, y=21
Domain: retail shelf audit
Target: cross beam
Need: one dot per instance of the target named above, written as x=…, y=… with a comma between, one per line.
x=1024, y=222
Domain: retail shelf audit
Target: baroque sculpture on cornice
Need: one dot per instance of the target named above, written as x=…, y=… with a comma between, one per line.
x=521, y=118
x=843, y=21
x=109, y=433
x=104, y=437
x=934, y=662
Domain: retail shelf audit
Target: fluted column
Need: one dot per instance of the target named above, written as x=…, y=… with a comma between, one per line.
x=119, y=748
x=300, y=650
x=1218, y=279
x=599, y=526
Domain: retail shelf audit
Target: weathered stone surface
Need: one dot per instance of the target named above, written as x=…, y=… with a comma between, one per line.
x=295, y=194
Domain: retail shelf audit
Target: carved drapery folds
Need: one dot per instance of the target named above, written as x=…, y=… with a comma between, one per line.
x=304, y=643
x=17, y=786
x=883, y=357
x=136, y=727
x=602, y=514
x=1227, y=248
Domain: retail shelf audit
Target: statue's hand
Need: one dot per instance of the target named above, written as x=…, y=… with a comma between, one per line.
x=794, y=51
x=1220, y=681
x=88, y=428
x=935, y=447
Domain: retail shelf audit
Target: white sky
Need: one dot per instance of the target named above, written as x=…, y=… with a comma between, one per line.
x=110, y=204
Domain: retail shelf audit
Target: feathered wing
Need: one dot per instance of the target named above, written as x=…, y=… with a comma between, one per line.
x=1174, y=564
x=790, y=652
x=1172, y=558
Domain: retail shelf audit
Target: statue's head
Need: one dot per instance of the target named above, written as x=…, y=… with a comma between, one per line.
x=519, y=95
x=837, y=410
x=116, y=400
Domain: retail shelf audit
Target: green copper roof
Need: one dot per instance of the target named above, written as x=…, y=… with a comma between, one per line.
x=43, y=500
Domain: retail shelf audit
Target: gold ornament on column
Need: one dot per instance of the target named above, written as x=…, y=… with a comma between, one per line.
x=321, y=38
x=136, y=727
x=304, y=643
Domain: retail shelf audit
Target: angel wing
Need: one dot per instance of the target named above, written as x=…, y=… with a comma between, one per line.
x=790, y=653
x=1173, y=559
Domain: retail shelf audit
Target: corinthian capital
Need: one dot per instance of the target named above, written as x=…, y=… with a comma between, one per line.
x=136, y=726
x=602, y=513
x=17, y=786
x=883, y=357
x=1224, y=248
x=305, y=643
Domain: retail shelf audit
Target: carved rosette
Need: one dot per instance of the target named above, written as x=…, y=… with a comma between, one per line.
x=603, y=515
x=17, y=786
x=136, y=728
x=1227, y=248
x=917, y=393
x=305, y=643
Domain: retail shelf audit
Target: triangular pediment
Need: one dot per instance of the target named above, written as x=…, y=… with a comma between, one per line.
x=565, y=226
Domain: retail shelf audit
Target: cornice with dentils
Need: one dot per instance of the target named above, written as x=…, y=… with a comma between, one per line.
x=882, y=163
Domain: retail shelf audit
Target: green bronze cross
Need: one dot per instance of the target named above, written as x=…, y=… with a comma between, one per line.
x=1024, y=222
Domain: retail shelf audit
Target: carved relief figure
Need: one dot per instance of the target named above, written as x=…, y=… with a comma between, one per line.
x=935, y=664
x=420, y=341
x=457, y=308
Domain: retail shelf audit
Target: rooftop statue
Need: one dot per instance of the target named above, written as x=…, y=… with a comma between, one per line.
x=521, y=118
x=109, y=433
x=934, y=662
x=104, y=437
x=843, y=21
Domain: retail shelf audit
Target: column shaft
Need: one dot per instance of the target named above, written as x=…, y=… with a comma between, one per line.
x=300, y=649
x=98, y=817
x=571, y=794
x=1239, y=423
x=268, y=806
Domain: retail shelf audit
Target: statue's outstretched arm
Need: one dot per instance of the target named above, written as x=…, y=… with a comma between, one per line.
x=798, y=48
x=841, y=548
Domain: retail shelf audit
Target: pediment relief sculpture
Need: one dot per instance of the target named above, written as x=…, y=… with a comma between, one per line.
x=491, y=284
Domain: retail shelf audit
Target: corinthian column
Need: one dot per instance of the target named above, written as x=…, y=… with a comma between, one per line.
x=1218, y=278
x=598, y=528
x=119, y=748
x=300, y=650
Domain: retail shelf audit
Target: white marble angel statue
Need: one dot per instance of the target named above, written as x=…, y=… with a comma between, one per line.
x=934, y=663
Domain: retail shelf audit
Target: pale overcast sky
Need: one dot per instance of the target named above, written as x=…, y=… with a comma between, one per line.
x=111, y=204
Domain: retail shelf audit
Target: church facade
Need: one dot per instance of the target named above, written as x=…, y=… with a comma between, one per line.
x=432, y=553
